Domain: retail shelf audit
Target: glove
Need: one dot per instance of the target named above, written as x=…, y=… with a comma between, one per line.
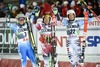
x=31, y=17
x=38, y=26
x=91, y=15
x=37, y=11
x=55, y=10
x=33, y=12
x=42, y=38
x=8, y=18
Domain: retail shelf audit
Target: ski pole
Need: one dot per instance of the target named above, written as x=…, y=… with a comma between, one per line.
x=4, y=39
x=10, y=41
x=7, y=20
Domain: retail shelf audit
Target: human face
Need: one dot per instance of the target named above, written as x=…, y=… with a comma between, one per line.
x=71, y=16
x=46, y=20
x=21, y=20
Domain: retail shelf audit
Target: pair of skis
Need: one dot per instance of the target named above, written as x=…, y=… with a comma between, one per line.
x=94, y=14
x=86, y=14
x=84, y=38
x=31, y=36
x=54, y=44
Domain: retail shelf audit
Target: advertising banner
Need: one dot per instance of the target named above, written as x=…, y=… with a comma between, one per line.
x=92, y=40
x=8, y=42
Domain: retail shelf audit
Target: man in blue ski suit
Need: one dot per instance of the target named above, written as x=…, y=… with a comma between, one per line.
x=24, y=44
x=72, y=30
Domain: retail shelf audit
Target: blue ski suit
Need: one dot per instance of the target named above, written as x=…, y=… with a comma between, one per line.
x=24, y=45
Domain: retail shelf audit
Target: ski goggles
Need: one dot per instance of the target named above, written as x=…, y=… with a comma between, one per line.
x=21, y=19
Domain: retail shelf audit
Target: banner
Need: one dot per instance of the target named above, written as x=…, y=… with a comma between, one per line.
x=93, y=38
x=8, y=42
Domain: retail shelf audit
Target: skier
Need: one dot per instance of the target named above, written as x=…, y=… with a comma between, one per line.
x=46, y=38
x=24, y=44
x=73, y=44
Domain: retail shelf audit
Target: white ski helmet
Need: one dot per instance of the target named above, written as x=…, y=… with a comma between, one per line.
x=21, y=17
x=71, y=11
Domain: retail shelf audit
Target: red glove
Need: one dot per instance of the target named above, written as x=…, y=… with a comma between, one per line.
x=48, y=47
x=38, y=26
x=42, y=38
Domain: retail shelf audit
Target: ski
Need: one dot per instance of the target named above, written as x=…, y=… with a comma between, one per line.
x=54, y=54
x=90, y=10
x=84, y=36
x=31, y=36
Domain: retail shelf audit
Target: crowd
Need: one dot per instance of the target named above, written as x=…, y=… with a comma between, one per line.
x=63, y=7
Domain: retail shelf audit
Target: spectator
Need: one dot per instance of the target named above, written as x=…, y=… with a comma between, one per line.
x=7, y=11
x=2, y=14
x=28, y=11
x=14, y=11
x=65, y=8
x=59, y=6
x=34, y=4
x=22, y=8
x=46, y=9
x=75, y=7
x=0, y=5
x=98, y=7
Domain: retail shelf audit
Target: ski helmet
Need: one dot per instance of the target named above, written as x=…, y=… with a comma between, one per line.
x=21, y=17
x=47, y=15
x=71, y=11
